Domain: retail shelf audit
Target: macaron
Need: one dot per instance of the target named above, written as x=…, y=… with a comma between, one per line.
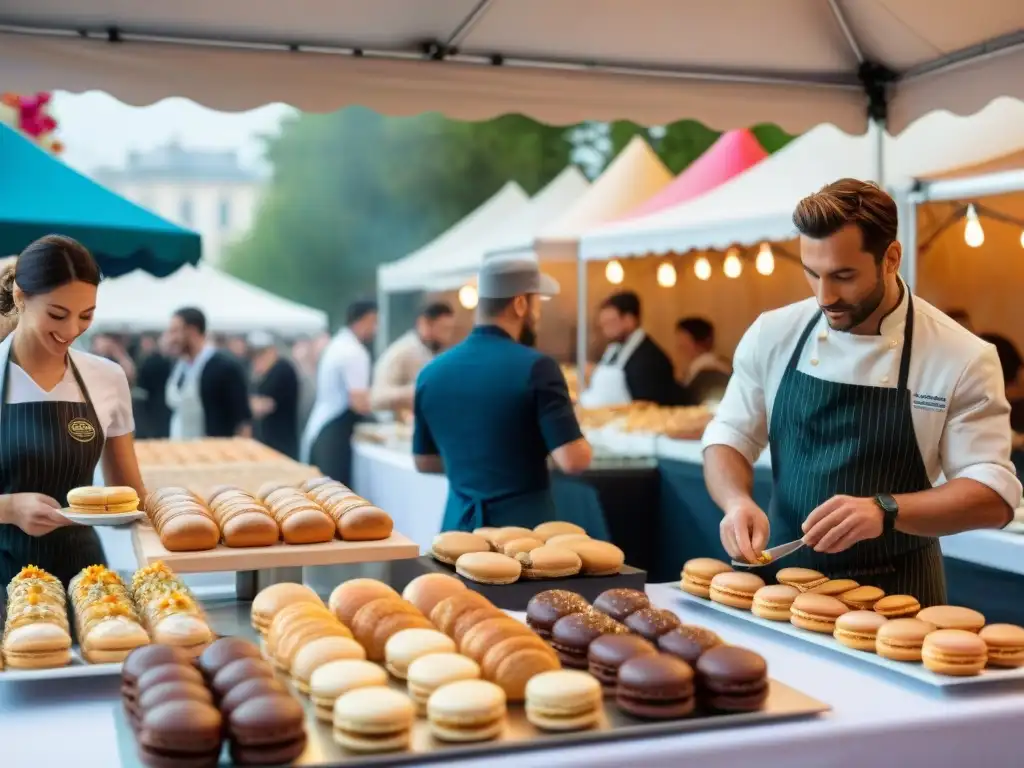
x=449, y=546
x=181, y=731
x=898, y=607
x=336, y=678
x=549, y=562
x=323, y=650
x=518, y=546
x=619, y=603
x=735, y=589
x=834, y=587
x=223, y=651
x=249, y=689
x=563, y=700
x=658, y=687
x=598, y=558
x=407, y=645
x=732, y=679
x=428, y=673
x=239, y=671
x=651, y=623
x=817, y=613
x=268, y=729
x=488, y=568
x=488, y=633
x=954, y=652
x=773, y=601
x=272, y=599
x=373, y=720
x=168, y=673
x=859, y=629
x=688, y=642
x=698, y=573
x=144, y=658
x=862, y=598
x=564, y=538
x=349, y=596
x=572, y=635
x=803, y=579
x=1005, y=645
x=469, y=619
x=512, y=662
x=901, y=639
x=953, y=617
x=547, y=607
x=428, y=590
x=609, y=652
x=553, y=528
x=499, y=538
x=467, y=711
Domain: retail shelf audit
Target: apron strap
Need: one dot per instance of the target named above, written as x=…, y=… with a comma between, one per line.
x=93, y=416
x=795, y=357
x=908, y=343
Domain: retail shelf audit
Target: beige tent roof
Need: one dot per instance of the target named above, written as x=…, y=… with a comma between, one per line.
x=1008, y=162
x=635, y=175
x=731, y=63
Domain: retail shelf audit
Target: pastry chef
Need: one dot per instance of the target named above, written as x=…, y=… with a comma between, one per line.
x=63, y=412
x=492, y=409
x=866, y=396
x=207, y=391
x=633, y=366
x=394, y=375
x=342, y=394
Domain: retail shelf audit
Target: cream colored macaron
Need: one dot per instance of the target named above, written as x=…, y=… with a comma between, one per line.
x=557, y=528
x=336, y=678
x=373, y=720
x=428, y=673
x=563, y=700
x=323, y=650
x=488, y=568
x=428, y=590
x=549, y=562
x=469, y=710
x=407, y=645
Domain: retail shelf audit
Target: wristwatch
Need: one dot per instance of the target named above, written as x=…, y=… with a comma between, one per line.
x=890, y=509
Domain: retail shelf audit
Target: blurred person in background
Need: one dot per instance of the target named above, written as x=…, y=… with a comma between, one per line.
x=1011, y=362
x=275, y=398
x=207, y=391
x=239, y=348
x=305, y=367
x=342, y=394
x=705, y=373
x=394, y=375
x=962, y=317
x=112, y=348
x=152, y=416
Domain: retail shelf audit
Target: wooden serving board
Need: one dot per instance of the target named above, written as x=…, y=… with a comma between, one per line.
x=148, y=550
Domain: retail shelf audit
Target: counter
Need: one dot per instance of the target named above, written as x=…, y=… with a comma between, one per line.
x=874, y=713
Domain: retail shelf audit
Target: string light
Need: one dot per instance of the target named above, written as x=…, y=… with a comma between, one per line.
x=468, y=297
x=1022, y=238
x=733, y=267
x=666, y=274
x=974, y=235
x=614, y=272
x=702, y=268
x=765, y=261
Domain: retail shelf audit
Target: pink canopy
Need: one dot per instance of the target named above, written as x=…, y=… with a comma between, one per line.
x=733, y=153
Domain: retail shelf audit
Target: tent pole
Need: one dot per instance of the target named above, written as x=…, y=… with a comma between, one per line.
x=380, y=342
x=878, y=132
x=581, y=322
x=908, y=238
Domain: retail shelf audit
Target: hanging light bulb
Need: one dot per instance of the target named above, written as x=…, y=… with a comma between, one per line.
x=765, y=261
x=974, y=235
x=614, y=272
x=468, y=296
x=1022, y=238
x=733, y=267
x=702, y=268
x=666, y=274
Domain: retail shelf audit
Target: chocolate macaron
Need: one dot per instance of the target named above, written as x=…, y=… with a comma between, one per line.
x=732, y=679
x=181, y=732
x=545, y=608
x=572, y=635
x=619, y=603
x=222, y=652
x=658, y=687
x=688, y=642
x=267, y=730
x=144, y=658
x=609, y=652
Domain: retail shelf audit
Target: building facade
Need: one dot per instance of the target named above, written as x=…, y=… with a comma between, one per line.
x=207, y=191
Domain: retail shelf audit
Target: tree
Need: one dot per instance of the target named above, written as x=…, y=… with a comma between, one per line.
x=354, y=189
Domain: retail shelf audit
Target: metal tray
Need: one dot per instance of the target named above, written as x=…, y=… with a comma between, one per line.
x=76, y=669
x=914, y=670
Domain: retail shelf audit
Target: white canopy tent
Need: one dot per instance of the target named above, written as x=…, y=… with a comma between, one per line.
x=138, y=302
x=733, y=63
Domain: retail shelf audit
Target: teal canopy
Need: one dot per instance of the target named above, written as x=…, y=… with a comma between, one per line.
x=40, y=195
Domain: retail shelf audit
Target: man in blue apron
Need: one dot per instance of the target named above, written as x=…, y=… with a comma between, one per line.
x=887, y=421
x=492, y=409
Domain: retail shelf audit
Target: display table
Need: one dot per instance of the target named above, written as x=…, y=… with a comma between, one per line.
x=874, y=712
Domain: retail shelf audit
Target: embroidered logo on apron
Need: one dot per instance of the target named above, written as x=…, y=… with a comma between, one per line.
x=81, y=430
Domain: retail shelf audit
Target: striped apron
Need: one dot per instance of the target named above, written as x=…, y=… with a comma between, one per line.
x=830, y=439
x=48, y=448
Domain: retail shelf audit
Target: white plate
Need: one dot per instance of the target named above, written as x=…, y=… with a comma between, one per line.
x=119, y=518
x=76, y=669
x=911, y=669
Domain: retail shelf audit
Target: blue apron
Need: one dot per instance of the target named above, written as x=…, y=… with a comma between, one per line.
x=527, y=509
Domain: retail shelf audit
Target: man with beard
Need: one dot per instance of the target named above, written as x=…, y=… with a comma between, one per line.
x=867, y=397
x=492, y=409
x=394, y=375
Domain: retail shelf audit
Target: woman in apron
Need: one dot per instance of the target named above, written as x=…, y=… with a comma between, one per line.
x=61, y=411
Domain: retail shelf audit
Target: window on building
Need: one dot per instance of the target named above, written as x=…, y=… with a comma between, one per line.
x=225, y=213
x=185, y=210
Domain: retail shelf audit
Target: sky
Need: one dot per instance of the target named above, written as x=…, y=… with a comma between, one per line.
x=99, y=130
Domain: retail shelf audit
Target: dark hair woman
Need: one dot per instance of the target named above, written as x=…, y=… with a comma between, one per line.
x=62, y=411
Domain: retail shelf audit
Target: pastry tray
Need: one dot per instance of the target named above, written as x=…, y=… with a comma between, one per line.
x=78, y=668
x=148, y=549
x=913, y=670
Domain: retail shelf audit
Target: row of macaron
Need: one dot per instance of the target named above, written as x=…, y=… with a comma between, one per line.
x=645, y=657
x=504, y=555
x=947, y=639
x=182, y=708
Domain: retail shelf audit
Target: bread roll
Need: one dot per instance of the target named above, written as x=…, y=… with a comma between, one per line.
x=246, y=524
x=301, y=520
x=181, y=520
x=332, y=494
x=367, y=523
x=218, y=490
x=268, y=488
x=154, y=498
x=317, y=482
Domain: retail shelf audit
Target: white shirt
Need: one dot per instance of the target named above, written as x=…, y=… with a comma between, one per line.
x=959, y=409
x=394, y=375
x=344, y=367
x=105, y=380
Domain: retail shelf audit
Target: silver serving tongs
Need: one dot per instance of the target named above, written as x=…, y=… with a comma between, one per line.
x=773, y=555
